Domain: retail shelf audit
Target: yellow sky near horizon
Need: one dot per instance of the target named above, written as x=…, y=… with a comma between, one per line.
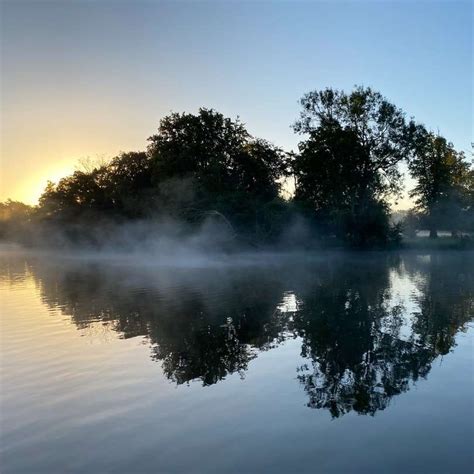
x=55, y=149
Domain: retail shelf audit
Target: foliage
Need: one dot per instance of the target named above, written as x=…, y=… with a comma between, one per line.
x=224, y=168
x=444, y=190
x=411, y=223
x=114, y=188
x=347, y=167
x=195, y=166
x=204, y=167
x=380, y=127
x=14, y=218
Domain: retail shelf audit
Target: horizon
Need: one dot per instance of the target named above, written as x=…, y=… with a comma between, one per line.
x=95, y=88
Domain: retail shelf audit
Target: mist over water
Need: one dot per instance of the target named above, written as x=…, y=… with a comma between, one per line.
x=145, y=361
x=167, y=242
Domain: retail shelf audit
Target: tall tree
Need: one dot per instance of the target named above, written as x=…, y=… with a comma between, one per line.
x=444, y=183
x=348, y=165
x=196, y=166
x=217, y=152
x=227, y=169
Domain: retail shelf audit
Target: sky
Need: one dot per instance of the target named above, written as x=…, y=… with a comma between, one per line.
x=89, y=79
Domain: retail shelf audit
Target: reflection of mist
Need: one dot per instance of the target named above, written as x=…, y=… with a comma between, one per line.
x=370, y=325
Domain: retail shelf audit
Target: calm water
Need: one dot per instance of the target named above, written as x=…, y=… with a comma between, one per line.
x=332, y=363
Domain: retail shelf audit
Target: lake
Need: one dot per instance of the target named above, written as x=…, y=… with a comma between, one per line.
x=294, y=363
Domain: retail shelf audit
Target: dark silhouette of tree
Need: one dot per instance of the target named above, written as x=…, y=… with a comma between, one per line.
x=204, y=167
x=196, y=166
x=411, y=223
x=116, y=188
x=15, y=217
x=327, y=178
x=73, y=196
x=443, y=193
x=224, y=168
x=128, y=184
x=348, y=165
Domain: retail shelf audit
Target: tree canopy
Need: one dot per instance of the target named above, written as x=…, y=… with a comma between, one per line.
x=348, y=164
x=115, y=188
x=205, y=166
x=379, y=127
x=217, y=153
x=444, y=190
x=195, y=166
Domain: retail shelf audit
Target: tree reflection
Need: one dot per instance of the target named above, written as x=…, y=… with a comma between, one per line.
x=364, y=347
x=445, y=299
x=207, y=340
x=351, y=335
x=200, y=324
x=364, y=336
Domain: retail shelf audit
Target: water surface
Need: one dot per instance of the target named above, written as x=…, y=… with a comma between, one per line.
x=328, y=363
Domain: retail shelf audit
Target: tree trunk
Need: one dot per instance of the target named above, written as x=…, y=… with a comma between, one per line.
x=433, y=233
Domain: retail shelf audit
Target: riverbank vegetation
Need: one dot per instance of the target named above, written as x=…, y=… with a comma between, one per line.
x=207, y=170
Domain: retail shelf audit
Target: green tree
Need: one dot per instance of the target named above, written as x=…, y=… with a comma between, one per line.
x=444, y=190
x=127, y=183
x=73, y=196
x=217, y=164
x=120, y=188
x=348, y=165
x=14, y=218
x=197, y=167
x=411, y=223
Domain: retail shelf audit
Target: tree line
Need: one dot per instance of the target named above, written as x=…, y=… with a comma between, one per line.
x=206, y=166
